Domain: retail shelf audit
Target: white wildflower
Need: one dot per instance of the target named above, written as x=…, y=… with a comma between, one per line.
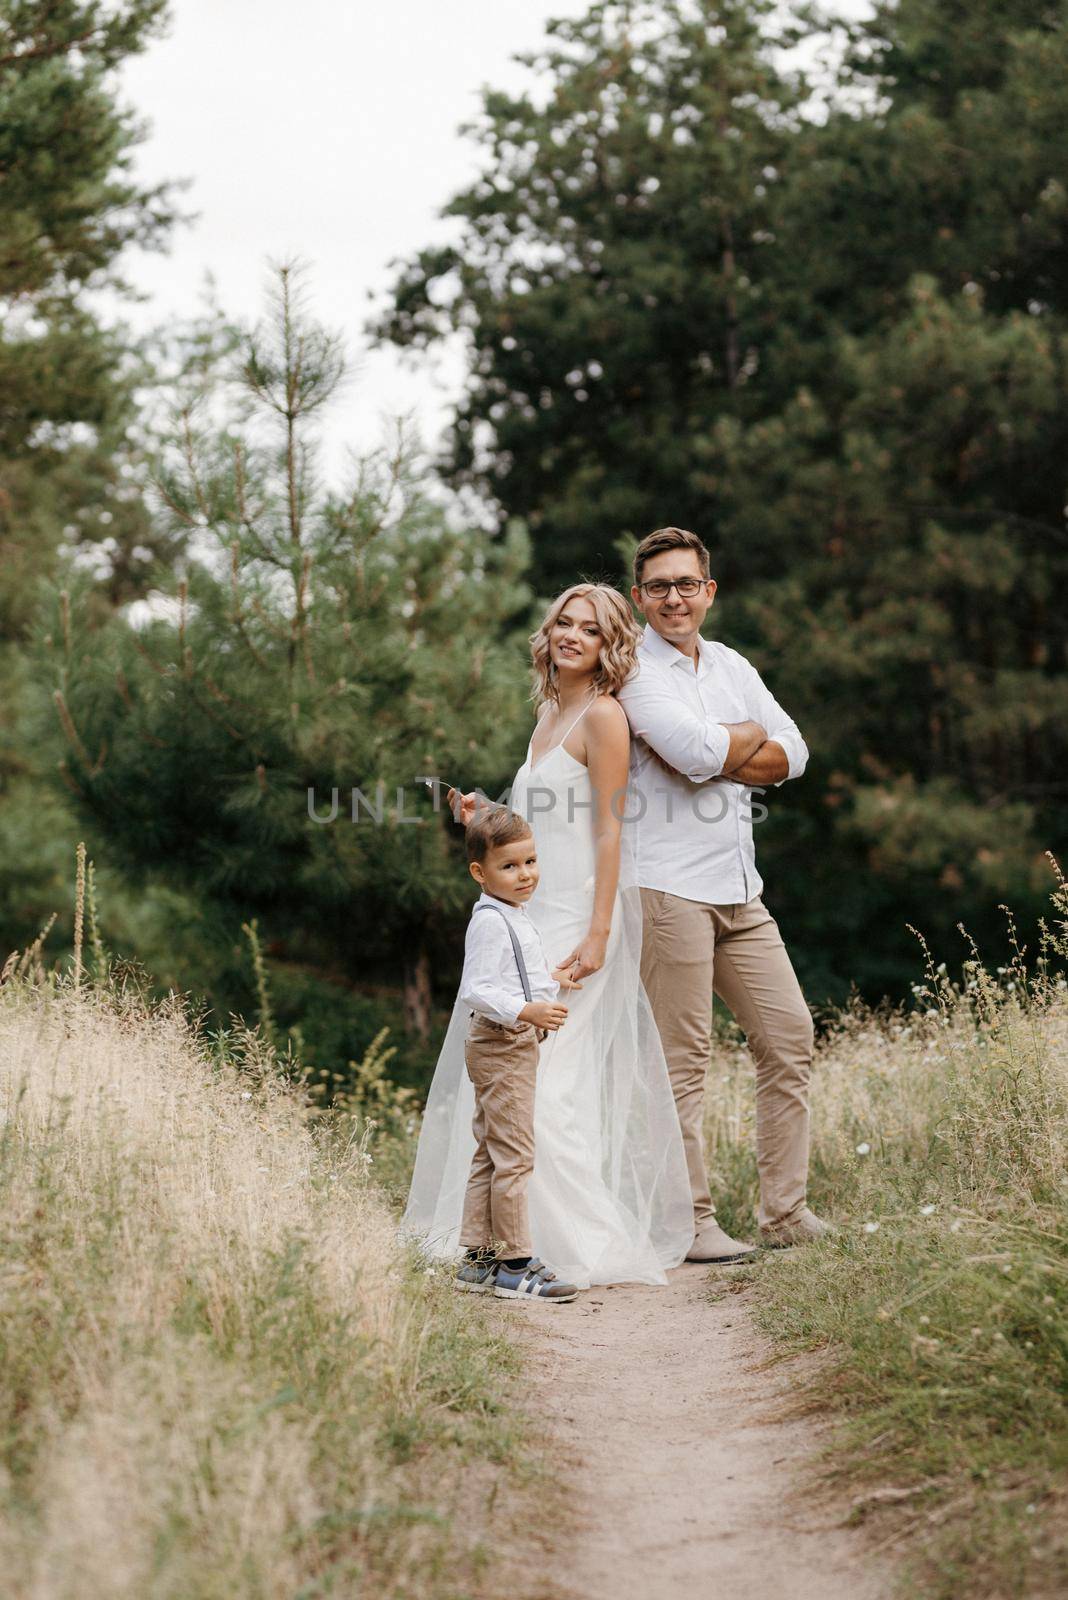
x=864, y=1149
x=871, y=1227
x=246, y=1094
x=927, y=1211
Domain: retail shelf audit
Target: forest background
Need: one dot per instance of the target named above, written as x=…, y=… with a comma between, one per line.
x=816, y=313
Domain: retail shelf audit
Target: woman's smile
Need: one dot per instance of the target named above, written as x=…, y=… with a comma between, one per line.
x=575, y=638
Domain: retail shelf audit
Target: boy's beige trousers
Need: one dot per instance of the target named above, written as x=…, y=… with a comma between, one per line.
x=690, y=950
x=502, y=1063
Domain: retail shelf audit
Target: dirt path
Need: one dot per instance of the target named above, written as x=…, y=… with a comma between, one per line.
x=684, y=1477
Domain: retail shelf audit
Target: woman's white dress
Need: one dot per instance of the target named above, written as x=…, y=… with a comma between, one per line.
x=609, y=1197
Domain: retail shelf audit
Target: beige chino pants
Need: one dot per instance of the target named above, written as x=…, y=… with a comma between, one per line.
x=502, y=1063
x=691, y=950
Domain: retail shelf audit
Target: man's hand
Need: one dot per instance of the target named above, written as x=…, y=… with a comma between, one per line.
x=770, y=764
x=745, y=740
x=544, y=1014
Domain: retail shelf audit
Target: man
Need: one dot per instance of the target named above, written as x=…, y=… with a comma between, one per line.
x=705, y=730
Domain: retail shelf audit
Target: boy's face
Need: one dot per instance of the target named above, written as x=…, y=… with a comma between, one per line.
x=509, y=872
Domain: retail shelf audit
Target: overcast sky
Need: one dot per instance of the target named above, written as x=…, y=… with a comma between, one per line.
x=329, y=131
x=326, y=130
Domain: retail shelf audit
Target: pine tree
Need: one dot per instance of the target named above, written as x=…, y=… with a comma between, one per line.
x=315, y=642
x=881, y=480
x=69, y=488
x=897, y=529
x=609, y=271
x=68, y=208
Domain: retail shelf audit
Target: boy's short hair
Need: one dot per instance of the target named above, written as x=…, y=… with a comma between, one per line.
x=491, y=827
x=654, y=544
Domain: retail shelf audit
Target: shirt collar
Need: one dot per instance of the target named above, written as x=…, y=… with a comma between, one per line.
x=660, y=650
x=485, y=899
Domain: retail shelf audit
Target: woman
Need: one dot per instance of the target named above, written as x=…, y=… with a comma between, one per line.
x=609, y=1198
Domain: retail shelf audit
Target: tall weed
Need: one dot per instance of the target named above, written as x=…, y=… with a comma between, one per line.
x=940, y=1147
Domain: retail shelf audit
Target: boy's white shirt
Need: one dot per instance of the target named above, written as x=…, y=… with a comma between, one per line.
x=490, y=982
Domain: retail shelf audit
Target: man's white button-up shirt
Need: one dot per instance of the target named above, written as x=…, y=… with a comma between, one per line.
x=490, y=982
x=694, y=836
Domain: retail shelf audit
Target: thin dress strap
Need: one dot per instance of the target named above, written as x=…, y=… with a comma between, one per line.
x=577, y=720
x=558, y=742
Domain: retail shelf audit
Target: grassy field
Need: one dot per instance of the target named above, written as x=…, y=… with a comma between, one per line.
x=940, y=1143
x=218, y=1377
x=940, y=1148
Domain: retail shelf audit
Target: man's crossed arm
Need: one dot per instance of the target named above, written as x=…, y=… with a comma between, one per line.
x=702, y=749
x=753, y=758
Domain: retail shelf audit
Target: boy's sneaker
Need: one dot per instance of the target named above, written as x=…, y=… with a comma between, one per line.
x=477, y=1277
x=532, y=1282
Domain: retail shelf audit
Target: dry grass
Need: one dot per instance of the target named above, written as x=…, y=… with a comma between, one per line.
x=940, y=1146
x=219, y=1379
x=219, y=1376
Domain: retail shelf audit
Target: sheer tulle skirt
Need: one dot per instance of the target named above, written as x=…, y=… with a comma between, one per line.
x=609, y=1196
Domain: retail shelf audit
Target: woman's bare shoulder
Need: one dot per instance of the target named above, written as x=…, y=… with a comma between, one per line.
x=607, y=718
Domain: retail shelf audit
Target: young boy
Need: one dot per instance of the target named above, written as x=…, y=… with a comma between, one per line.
x=512, y=995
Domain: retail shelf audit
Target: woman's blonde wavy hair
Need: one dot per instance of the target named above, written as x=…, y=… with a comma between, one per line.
x=619, y=652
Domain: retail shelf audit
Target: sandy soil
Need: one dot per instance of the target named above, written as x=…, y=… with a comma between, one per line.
x=683, y=1472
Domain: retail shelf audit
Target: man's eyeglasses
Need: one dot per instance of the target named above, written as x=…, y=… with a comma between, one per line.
x=660, y=588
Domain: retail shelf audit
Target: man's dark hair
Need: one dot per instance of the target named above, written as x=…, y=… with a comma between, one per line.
x=654, y=544
x=490, y=828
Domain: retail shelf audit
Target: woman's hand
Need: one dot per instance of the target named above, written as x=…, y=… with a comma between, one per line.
x=564, y=979
x=462, y=806
x=587, y=957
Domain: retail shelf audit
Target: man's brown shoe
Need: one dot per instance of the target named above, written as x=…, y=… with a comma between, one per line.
x=804, y=1229
x=711, y=1244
